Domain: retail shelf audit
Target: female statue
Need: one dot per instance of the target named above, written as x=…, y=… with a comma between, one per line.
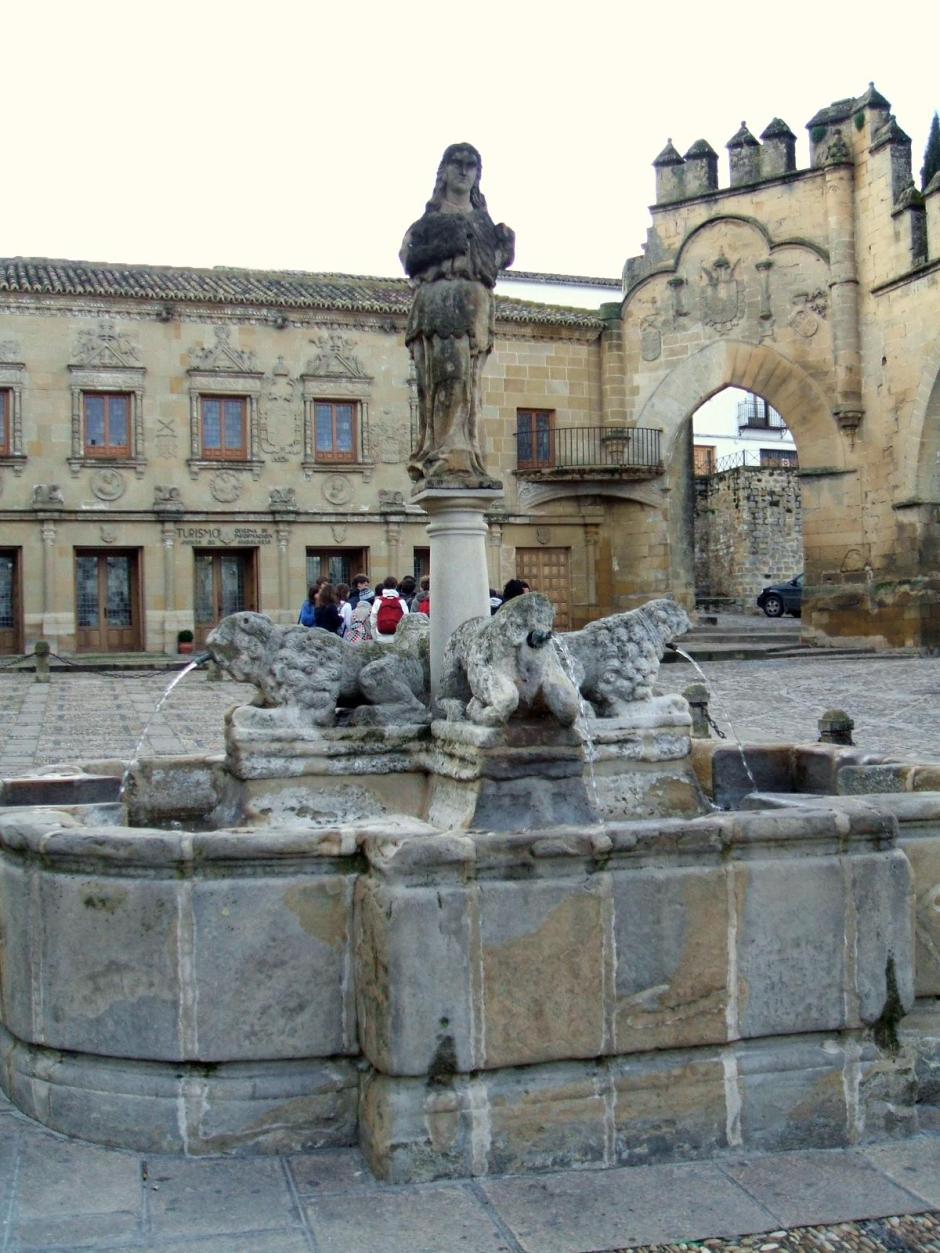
x=453, y=255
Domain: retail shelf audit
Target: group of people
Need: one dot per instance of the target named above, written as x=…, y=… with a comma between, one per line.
x=360, y=613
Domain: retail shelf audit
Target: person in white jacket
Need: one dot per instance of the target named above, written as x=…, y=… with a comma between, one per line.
x=395, y=610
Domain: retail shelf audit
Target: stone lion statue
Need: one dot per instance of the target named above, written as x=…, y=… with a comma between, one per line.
x=616, y=659
x=311, y=671
x=493, y=667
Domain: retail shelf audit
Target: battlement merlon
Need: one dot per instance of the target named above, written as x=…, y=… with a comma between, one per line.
x=861, y=119
x=901, y=236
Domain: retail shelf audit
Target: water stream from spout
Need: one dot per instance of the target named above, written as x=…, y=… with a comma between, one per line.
x=582, y=725
x=737, y=739
x=168, y=692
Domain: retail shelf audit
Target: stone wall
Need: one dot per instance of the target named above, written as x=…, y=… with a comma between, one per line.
x=748, y=532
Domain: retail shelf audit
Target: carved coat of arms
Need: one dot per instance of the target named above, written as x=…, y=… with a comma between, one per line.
x=280, y=426
x=808, y=309
x=722, y=303
x=651, y=340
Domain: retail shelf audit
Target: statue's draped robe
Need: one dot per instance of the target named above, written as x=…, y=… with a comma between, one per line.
x=453, y=259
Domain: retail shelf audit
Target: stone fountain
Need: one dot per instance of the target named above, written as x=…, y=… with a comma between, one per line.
x=475, y=898
x=465, y=934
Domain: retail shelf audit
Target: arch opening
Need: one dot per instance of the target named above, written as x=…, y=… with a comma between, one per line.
x=745, y=511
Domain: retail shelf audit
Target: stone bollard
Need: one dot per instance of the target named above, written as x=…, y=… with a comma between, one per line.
x=697, y=696
x=835, y=727
x=41, y=651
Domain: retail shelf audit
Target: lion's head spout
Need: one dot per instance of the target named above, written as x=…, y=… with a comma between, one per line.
x=239, y=644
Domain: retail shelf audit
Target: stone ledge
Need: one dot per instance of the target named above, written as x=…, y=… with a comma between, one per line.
x=776, y=1094
x=153, y=1107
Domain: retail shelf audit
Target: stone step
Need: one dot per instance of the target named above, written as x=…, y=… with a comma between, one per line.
x=716, y=635
x=741, y=652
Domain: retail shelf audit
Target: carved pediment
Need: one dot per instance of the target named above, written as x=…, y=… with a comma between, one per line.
x=222, y=356
x=105, y=347
x=335, y=358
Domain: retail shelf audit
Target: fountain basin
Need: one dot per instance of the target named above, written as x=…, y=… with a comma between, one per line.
x=464, y=1001
x=167, y=990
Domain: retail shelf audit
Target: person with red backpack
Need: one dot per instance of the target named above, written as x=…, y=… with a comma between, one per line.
x=388, y=610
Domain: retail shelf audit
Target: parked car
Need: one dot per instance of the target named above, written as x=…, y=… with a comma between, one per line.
x=781, y=598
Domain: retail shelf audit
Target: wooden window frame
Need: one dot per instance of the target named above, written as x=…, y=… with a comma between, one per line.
x=529, y=417
x=111, y=381
x=108, y=451
x=703, y=455
x=223, y=453
x=336, y=458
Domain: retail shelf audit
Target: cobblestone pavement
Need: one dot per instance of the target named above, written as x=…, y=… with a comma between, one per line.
x=897, y=1234
x=104, y=715
x=895, y=703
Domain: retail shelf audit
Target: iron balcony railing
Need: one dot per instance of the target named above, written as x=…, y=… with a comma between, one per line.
x=751, y=459
x=754, y=411
x=588, y=448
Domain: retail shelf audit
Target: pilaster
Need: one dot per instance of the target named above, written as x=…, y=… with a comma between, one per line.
x=843, y=282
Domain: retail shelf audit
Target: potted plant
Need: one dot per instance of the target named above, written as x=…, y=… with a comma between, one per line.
x=184, y=641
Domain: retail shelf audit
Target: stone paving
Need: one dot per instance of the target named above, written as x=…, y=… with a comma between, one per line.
x=895, y=703
x=60, y=1194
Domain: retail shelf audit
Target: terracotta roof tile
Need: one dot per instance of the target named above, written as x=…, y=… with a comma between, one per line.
x=286, y=289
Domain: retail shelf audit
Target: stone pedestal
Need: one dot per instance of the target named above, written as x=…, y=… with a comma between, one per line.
x=528, y=775
x=457, y=531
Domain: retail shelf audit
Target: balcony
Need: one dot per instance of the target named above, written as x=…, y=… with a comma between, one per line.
x=754, y=413
x=587, y=453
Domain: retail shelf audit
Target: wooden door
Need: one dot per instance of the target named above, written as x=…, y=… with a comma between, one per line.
x=11, y=620
x=107, y=602
x=546, y=570
x=226, y=582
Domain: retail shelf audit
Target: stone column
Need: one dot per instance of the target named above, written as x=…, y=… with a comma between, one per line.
x=494, y=552
x=282, y=536
x=591, y=542
x=460, y=587
x=48, y=567
x=613, y=366
x=843, y=283
x=392, y=542
x=167, y=539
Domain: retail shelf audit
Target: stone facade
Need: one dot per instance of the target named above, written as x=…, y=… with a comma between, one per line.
x=814, y=288
x=817, y=290
x=748, y=532
x=164, y=340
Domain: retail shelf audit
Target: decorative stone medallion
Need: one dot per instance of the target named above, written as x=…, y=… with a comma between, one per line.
x=338, y=531
x=337, y=489
x=225, y=487
x=543, y=534
x=108, y=534
x=108, y=484
x=651, y=340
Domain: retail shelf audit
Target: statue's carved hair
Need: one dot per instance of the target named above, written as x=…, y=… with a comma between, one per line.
x=477, y=199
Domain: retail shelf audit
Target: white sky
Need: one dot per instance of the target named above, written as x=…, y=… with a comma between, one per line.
x=306, y=136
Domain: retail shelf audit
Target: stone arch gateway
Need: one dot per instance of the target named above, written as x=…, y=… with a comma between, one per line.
x=818, y=289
